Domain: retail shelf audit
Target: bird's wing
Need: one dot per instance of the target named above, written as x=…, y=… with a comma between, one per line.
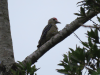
x=45, y=30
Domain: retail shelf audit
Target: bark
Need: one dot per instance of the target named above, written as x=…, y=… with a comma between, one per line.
x=6, y=49
x=64, y=33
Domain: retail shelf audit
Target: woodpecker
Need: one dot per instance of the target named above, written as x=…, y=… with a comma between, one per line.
x=49, y=31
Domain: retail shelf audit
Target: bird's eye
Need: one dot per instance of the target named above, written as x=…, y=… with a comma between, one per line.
x=54, y=19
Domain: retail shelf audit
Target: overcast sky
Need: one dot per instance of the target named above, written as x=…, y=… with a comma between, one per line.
x=27, y=20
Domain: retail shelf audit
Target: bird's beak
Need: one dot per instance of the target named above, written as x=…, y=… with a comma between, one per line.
x=58, y=22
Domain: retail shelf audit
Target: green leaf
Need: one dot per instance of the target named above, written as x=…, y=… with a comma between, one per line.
x=65, y=58
x=20, y=65
x=98, y=19
x=82, y=12
x=89, y=40
x=77, y=14
x=62, y=71
x=71, y=49
x=85, y=44
x=28, y=67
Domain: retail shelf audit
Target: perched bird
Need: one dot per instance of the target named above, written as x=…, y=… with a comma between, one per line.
x=49, y=31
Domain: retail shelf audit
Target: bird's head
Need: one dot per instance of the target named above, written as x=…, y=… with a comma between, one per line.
x=53, y=21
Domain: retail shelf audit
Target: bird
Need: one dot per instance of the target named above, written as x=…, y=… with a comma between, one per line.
x=49, y=31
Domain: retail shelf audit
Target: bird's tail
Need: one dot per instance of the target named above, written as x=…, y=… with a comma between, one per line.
x=38, y=45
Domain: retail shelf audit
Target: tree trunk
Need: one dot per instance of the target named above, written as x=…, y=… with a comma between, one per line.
x=6, y=49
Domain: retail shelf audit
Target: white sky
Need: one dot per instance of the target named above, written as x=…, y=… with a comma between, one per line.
x=27, y=20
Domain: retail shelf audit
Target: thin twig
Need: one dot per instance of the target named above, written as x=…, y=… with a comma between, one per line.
x=77, y=37
x=93, y=22
x=91, y=26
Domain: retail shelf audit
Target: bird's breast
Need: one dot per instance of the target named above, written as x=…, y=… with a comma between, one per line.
x=53, y=30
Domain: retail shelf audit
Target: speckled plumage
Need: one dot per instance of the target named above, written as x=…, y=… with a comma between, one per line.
x=49, y=31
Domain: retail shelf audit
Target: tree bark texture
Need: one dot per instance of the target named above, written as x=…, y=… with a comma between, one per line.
x=6, y=49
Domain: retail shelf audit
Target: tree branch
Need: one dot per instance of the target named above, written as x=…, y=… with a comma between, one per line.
x=64, y=33
x=91, y=26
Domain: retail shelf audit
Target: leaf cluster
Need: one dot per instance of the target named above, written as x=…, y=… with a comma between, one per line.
x=80, y=58
x=22, y=70
x=87, y=57
x=86, y=6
